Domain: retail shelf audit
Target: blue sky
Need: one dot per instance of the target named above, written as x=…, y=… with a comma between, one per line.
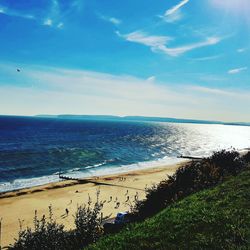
x=175, y=58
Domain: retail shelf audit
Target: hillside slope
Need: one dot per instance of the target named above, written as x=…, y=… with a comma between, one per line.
x=218, y=218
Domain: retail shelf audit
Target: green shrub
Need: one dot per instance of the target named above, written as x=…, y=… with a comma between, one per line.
x=88, y=223
x=193, y=177
x=215, y=218
x=246, y=157
x=48, y=234
x=228, y=162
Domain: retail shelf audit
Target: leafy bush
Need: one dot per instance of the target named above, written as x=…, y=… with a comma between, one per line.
x=48, y=234
x=193, y=177
x=215, y=218
x=88, y=223
x=228, y=162
x=246, y=157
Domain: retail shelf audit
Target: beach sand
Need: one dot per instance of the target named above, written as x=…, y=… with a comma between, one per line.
x=67, y=194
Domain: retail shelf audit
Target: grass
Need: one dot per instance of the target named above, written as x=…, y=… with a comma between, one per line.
x=216, y=218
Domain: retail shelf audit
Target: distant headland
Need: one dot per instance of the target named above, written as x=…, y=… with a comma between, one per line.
x=140, y=118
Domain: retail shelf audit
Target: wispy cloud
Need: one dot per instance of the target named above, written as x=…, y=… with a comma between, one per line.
x=60, y=25
x=8, y=12
x=221, y=92
x=99, y=93
x=239, y=6
x=174, y=14
x=183, y=49
x=176, y=7
x=57, y=16
x=77, y=4
x=145, y=39
x=52, y=19
x=207, y=58
x=151, y=79
x=212, y=78
x=160, y=43
x=237, y=70
x=241, y=50
x=48, y=22
x=172, y=18
x=112, y=20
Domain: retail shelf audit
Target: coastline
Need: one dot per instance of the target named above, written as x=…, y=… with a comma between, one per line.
x=21, y=204
x=92, y=172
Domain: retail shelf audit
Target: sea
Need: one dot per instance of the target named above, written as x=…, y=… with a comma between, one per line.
x=34, y=150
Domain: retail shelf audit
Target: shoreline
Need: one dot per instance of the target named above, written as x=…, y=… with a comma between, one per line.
x=22, y=204
x=102, y=172
x=88, y=180
x=106, y=171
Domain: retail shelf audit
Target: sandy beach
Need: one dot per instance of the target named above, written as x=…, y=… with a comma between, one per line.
x=67, y=194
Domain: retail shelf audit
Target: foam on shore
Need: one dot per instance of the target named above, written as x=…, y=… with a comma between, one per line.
x=91, y=171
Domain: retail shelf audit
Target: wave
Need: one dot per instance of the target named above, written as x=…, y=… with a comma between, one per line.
x=100, y=169
x=27, y=183
x=91, y=171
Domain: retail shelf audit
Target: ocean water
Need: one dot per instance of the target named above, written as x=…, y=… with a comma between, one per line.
x=34, y=150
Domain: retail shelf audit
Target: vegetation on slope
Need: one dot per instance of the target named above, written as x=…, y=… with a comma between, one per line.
x=198, y=212
x=217, y=218
x=191, y=178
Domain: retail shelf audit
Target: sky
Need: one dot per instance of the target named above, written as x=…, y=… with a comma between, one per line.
x=172, y=58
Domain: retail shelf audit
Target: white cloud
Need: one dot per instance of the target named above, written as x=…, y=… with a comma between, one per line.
x=176, y=8
x=207, y=58
x=239, y=95
x=174, y=14
x=78, y=5
x=241, y=50
x=54, y=17
x=235, y=6
x=238, y=9
x=60, y=25
x=57, y=90
x=89, y=92
x=183, y=49
x=8, y=12
x=112, y=20
x=145, y=39
x=160, y=43
x=151, y=79
x=237, y=70
x=48, y=22
x=52, y=20
x=212, y=90
x=53, y=14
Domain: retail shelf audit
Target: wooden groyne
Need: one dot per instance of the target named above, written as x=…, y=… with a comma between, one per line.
x=189, y=157
x=67, y=178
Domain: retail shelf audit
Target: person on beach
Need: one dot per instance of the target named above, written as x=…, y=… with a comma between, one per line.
x=117, y=205
x=67, y=211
